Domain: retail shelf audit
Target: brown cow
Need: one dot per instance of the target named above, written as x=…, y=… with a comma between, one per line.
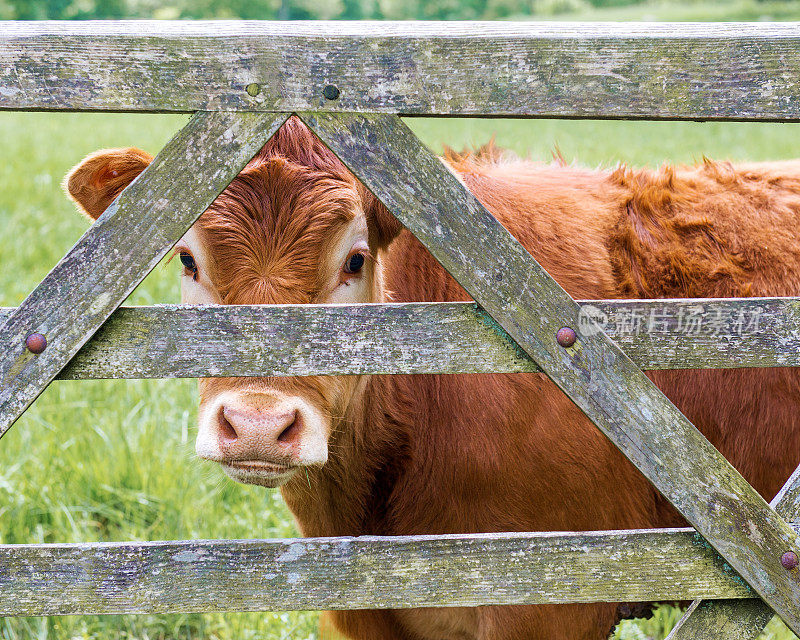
x=436, y=454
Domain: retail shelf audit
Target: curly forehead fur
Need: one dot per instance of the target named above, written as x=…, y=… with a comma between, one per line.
x=268, y=229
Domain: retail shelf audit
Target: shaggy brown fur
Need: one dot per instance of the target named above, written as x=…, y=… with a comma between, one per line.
x=479, y=453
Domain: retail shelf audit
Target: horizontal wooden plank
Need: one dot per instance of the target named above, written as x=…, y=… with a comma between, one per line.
x=593, y=371
x=121, y=247
x=362, y=572
x=179, y=341
x=744, y=71
x=187, y=342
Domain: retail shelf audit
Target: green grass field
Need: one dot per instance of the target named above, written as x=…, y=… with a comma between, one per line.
x=113, y=460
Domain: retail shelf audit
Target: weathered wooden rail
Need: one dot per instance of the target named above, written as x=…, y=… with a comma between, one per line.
x=683, y=71
x=366, y=572
x=180, y=341
x=349, y=83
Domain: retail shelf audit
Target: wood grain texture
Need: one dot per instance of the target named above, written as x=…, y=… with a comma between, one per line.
x=362, y=572
x=744, y=619
x=613, y=392
x=121, y=248
x=741, y=71
x=295, y=340
x=290, y=340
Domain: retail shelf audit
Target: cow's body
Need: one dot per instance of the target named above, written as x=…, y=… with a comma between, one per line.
x=479, y=453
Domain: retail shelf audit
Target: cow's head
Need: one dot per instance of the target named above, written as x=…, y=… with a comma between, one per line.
x=293, y=227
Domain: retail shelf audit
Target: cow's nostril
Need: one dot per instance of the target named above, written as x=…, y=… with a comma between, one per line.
x=226, y=431
x=290, y=432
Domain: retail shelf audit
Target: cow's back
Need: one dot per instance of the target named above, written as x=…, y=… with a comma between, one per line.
x=709, y=231
x=721, y=230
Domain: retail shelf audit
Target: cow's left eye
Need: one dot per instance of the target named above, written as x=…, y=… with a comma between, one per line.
x=354, y=263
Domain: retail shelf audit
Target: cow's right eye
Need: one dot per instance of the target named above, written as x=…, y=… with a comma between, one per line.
x=354, y=263
x=188, y=262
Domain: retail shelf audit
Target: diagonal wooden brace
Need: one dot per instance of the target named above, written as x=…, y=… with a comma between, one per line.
x=121, y=248
x=737, y=619
x=613, y=392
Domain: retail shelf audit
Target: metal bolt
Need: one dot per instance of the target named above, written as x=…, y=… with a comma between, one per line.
x=566, y=336
x=331, y=92
x=253, y=89
x=789, y=560
x=36, y=343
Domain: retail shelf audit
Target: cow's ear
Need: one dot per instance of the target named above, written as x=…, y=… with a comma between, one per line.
x=382, y=226
x=101, y=176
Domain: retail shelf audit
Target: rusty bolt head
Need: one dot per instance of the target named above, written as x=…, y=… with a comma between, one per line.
x=36, y=343
x=331, y=92
x=566, y=336
x=789, y=560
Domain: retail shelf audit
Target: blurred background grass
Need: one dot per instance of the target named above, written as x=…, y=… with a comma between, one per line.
x=113, y=460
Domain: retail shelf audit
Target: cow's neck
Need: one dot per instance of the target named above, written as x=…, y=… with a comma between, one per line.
x=350, y=494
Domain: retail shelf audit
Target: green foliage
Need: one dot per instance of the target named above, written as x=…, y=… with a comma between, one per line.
x=665, y=617
x=401, y=9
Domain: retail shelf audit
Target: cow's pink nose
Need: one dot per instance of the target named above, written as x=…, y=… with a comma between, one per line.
x=248, y=433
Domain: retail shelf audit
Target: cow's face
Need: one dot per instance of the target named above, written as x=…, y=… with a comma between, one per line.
x=283, y=232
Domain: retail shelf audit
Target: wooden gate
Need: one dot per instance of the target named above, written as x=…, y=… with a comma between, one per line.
x=351, y=82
